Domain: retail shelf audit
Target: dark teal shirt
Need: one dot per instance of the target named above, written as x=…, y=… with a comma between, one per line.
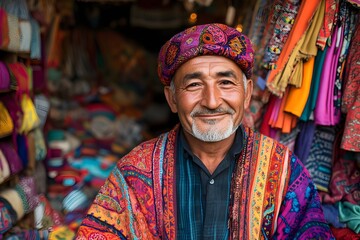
x=214, y=194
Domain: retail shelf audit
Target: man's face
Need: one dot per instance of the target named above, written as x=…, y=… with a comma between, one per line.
x=209, y=97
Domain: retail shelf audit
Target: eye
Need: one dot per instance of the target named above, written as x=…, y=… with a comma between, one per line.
x=193, y=86
x=226, y=82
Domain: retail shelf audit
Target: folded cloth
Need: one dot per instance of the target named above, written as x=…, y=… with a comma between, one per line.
x=4, y=29
x=350, y=214
x=4, y=168
x=25, y=35
x=14, y=198
x=4, y=76
x=40, y=145
x=331, y=214
x=7, y=216
x=6, y=123
x=30, y=120
x=27, y=190
x=344, y=234
x=14, y=33
x=12, y=158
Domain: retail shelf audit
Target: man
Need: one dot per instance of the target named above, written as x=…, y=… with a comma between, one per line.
x=209, y=177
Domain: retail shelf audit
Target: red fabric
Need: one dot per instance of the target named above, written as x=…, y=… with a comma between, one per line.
x=265, y=127
x=351, y=96
x=344, y=234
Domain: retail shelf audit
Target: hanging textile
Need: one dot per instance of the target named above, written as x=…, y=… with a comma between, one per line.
x=314, y=88
x=320, y=157
x=325, y=112
x=4, y=29
x=331, y=8
x=275, y=82
x=283, y=25
x=351, y=97
x=297, y=98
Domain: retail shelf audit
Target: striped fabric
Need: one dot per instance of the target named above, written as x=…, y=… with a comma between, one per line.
x=272, y=195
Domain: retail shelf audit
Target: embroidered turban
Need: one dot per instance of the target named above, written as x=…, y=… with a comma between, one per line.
x=208, y=39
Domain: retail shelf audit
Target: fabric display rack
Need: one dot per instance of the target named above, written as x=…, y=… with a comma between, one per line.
x=76, y=97
x=83, y=100
x=23, y=112
x=307, y=55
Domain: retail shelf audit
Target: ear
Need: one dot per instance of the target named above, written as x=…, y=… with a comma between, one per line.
x=248, y=93
x=170, y=98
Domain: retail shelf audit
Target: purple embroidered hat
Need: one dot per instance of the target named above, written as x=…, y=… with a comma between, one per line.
x=208, y=39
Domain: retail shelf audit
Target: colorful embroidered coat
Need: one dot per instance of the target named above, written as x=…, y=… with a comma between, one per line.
x=272, y=195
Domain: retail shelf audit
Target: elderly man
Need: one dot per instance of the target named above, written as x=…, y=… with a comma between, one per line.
x=209, y=177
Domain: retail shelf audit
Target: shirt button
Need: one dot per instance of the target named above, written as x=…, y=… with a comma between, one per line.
x=212, y=181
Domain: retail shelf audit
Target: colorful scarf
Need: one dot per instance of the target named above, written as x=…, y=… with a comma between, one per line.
x=271, y=196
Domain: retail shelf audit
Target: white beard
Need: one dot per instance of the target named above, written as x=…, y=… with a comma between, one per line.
x=212, y=133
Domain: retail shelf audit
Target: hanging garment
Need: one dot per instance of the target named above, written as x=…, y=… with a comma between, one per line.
x=325, y=112
x=344, y=180
x=319, y=162
x=314, y=88
x=351, y=96
x=331, y=8
x=283, y=25
x=347, y=19
x=265, y=126
x=275, y=83
x=304, y=140
x=296, y=101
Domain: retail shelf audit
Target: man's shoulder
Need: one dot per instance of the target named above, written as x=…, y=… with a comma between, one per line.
x=256, y=138
x=255, y=135
x=139, y=155
x=142, y=155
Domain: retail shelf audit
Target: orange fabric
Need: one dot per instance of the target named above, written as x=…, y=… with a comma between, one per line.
x=296, y=100
x=301, y=24
x=286, y=128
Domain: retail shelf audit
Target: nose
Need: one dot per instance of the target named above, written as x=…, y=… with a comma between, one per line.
x=211, y=98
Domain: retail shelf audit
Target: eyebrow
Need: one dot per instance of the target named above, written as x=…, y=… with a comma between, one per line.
x=192, y=76
x=226, y=74
x=218, y=74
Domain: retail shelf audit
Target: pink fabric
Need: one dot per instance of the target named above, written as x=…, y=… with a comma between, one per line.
x=4, y=77
x=324, y=112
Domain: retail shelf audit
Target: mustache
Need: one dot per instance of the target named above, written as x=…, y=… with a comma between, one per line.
x=206, y=111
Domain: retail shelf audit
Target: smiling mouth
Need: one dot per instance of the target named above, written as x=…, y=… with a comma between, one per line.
x=210, y=118
x=210, y=115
